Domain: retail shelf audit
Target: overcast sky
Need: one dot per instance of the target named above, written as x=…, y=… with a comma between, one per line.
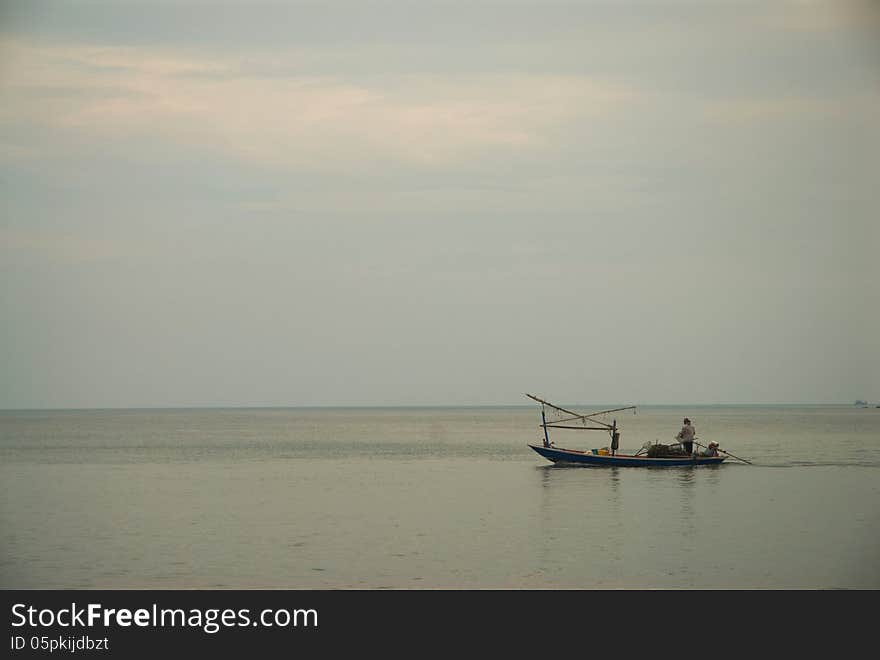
x=356, y=203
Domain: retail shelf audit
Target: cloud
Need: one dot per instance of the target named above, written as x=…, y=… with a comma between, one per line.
x=63, y=247
x=821, y=16
x=788, y=107
x=296, y=120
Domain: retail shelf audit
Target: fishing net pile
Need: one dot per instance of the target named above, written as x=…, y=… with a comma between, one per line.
x=665, y=451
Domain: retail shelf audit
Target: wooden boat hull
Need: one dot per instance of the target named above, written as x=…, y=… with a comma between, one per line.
x=557, y=455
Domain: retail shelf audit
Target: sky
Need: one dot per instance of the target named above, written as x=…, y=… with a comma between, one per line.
x=438, y=203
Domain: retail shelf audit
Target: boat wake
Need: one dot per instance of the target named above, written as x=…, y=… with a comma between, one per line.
x=829, y=463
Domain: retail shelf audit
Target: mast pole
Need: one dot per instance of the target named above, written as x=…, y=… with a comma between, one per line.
x=544, y=424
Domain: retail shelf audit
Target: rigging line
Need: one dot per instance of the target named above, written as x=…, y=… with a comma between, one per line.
x=567, y=412
x=602, y=412
x=579, y=416
x=583, y=418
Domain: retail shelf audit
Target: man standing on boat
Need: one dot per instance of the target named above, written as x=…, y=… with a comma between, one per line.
x=686, y=436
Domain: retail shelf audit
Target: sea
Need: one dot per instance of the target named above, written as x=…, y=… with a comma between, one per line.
x=434, y=498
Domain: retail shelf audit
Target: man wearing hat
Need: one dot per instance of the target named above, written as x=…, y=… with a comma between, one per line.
x=711, y=450
x=686, y=436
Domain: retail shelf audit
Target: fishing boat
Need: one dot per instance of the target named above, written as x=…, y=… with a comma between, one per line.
x=650, y=455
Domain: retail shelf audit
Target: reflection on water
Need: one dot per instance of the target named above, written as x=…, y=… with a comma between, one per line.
x=686, y=478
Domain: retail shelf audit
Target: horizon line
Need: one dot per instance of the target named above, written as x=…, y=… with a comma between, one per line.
x=419, y=406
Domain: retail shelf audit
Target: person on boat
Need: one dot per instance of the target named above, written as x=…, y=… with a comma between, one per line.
x=711, y=450
x=686, y=436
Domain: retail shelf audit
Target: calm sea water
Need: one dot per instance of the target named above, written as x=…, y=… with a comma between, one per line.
x=433, y=498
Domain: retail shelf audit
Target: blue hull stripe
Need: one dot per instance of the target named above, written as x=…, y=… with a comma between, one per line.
x=622, y=460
